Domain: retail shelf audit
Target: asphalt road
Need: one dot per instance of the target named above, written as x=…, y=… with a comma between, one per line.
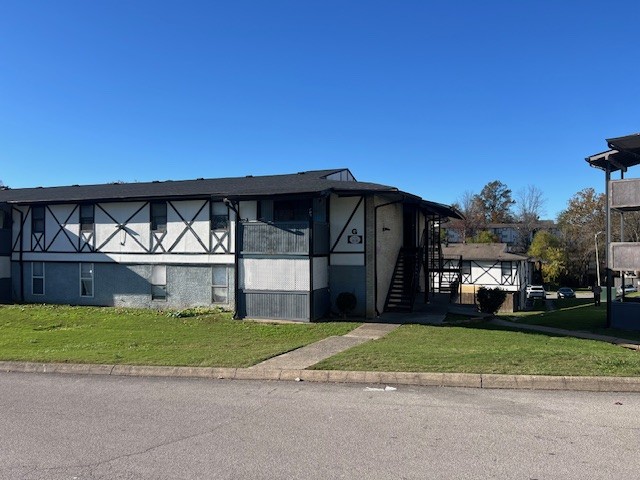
x=99, y=427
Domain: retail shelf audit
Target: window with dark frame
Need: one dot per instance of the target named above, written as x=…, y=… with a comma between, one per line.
x=37, y=278
x=86, y=279
x=87, y=217
x=37, y=219
x=219, y=216
x=220, y=284
x=507, y=269
x=465, y=268
x=159, y=216
x=158, y=282
x=4, y=220
x=291, y=210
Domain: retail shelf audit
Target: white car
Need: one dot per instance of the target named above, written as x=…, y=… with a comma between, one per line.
x=628, y=288
x=536, y=291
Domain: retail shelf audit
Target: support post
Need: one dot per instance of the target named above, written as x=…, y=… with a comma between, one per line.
x=606, y=252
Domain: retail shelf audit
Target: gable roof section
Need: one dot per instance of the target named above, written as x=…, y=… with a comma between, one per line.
x=313, y=182
x=310, y=182
x=481, y=251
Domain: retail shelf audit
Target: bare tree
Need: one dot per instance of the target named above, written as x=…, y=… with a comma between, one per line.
x=474, y=218
x=530, y=204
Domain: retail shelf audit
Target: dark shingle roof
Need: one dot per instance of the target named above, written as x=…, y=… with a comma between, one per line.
x=480, y=251
x=310, y=182
x=303, y=183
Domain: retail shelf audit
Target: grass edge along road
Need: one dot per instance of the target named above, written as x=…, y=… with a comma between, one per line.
x=52, y=333
x=147, y=337
x=479, y=347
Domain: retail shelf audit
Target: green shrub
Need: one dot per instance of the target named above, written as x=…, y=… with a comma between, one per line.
x=194, y=312
x=491, y=299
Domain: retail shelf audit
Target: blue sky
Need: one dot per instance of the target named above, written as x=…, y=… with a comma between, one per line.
x=435, y=98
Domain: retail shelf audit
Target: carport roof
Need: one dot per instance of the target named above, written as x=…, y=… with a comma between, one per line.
x=624, y=153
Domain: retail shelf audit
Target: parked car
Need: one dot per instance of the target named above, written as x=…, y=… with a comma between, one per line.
x=536, y=291
x=628, y=288
x=566, y=292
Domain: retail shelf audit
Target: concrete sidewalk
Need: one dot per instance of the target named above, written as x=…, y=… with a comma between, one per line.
x=311, y=354
x=632, y=344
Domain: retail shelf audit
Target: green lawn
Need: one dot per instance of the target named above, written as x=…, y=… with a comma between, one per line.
x=574, y=314
x=146, y=337
x=479, y=347
x=482, y=348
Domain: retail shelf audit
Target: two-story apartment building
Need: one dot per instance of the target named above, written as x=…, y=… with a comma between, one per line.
x=279, y=246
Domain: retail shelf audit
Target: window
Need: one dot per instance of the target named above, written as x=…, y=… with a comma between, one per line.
x=159, y=216
x=466, y=267
x=219, y=216
x=291, y=210
x=87, y=217
x=4, y=219
x=220, y=284
x=507, y=271
x=37, y=219
x=37, y=278
x=159, y=282
x=86, y=279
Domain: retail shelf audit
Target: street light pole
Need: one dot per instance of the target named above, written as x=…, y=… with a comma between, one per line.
x=597, y=261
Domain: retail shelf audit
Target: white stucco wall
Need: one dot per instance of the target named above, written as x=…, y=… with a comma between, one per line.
x=266, y=274
x=196, y=213
x=122, y=233
x=489, y=274
x=348, y=243
x=389, y=241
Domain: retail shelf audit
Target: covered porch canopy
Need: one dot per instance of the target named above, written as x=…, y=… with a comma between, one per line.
x=624, y=152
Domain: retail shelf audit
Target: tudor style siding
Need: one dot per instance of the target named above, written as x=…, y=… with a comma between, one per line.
x=122, y=247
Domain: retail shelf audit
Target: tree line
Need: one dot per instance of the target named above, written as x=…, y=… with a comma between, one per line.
x=566, y=253
x=496, y=204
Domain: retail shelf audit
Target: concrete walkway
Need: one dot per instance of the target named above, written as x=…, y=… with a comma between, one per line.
x=311, y=354
x=432, y=313
x=632, y=344
x=293, y=365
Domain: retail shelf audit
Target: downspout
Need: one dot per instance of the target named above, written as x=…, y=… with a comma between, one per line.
x=375, y=244
x=236, y=256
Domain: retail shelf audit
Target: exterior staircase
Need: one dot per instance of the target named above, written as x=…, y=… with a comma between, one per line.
x=404, y=283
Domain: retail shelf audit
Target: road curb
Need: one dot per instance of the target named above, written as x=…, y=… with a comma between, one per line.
x=468, y=380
